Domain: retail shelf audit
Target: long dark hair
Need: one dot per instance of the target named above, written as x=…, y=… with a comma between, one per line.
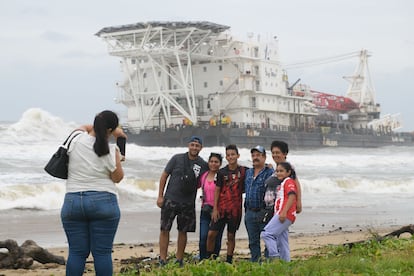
x=288, y=167
x=104, y=121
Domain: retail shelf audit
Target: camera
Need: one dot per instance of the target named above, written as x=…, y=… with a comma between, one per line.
x=121, y=142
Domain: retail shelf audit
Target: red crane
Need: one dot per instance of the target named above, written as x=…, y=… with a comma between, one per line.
x=333, y=102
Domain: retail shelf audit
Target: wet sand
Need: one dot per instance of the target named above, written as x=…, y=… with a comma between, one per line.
x=137, y=236
x=302, y=246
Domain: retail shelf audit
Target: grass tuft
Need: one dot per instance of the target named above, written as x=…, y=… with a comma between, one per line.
x=390, y=256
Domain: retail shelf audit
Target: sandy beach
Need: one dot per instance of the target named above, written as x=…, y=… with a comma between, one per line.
x=302, y=246
x=137, y=235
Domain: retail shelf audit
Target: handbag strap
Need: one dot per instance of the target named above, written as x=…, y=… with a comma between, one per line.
x=70, y=138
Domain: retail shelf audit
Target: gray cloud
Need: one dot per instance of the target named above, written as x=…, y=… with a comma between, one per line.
x=49, y=49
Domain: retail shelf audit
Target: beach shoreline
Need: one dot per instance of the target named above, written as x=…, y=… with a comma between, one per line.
x=138, y=232
x=302, y=246
x=143, y=227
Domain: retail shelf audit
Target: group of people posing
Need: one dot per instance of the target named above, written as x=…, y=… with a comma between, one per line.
x=272, y=200
x=90, y=213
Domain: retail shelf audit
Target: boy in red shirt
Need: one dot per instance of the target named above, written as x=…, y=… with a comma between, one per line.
x=227, y=202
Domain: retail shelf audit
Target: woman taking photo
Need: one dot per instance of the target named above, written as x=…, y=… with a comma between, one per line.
x=90, y=213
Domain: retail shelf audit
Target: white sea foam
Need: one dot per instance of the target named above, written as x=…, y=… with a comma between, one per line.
x=29, y=196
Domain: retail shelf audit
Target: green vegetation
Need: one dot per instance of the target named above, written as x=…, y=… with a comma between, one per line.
x=391, y=256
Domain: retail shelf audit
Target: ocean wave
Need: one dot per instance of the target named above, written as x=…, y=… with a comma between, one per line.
x=332, y=172
x=36, y=125
x=29, y=196
x=141, y=194
x=345, y=185
x=133, y=194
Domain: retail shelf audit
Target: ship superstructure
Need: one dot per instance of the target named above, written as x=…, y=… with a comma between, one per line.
x=196, y=78
x=193, y=73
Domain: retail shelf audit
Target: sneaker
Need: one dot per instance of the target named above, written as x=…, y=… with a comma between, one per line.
x=179, y=262
x=162, y=263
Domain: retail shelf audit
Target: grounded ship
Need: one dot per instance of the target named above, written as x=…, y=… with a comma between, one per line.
x=195, y=78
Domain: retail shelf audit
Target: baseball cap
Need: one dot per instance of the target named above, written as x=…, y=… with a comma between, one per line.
x=195, y=138
x=259, y=149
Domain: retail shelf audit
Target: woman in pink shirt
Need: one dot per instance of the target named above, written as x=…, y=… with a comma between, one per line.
x=207, y=182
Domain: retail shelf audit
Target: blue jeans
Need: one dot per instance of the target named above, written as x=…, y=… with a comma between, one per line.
x=205, y=219
x=254, y=227
x=90, y=220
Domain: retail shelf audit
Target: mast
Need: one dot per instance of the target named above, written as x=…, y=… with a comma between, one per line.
x=361, y=89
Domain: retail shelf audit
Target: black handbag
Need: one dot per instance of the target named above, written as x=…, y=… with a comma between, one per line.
x=58, y=164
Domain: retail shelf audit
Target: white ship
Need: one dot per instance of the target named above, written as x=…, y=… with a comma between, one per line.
x=195, y=78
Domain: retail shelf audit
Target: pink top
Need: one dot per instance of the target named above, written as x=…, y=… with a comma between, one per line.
x=208, y=189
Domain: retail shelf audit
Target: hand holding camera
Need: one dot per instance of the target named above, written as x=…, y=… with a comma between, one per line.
x=121, y=143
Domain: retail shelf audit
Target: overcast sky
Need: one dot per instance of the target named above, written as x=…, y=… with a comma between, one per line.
x=51, y=59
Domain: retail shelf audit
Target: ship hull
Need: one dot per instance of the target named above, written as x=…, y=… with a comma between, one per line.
x=246, y=138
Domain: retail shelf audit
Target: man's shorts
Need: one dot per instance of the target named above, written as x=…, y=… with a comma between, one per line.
x=233, y=224
x=185, y=213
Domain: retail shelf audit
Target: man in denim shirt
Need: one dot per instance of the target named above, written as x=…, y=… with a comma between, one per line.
x=254, y=203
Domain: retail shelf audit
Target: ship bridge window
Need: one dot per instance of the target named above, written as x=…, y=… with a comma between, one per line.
x=253, y=101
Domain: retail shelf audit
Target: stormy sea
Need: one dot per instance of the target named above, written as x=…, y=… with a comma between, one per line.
x=343, y=188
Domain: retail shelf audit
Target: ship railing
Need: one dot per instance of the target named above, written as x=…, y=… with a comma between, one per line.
x=345, y=128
